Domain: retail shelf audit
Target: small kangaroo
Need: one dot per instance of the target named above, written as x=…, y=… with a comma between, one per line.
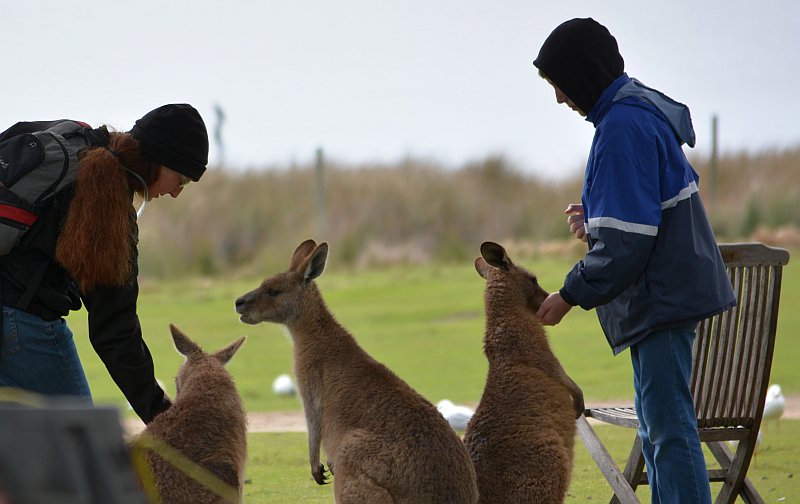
x=522, y=435
x=206, y=423
x=385, y=443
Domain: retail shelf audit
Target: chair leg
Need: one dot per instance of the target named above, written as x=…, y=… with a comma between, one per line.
x=619, y=484
x=634, y=468
x=734, y=486
x=749, y=494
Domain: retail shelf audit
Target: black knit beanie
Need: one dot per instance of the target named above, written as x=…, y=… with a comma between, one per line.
x=175, y=136
x=581, y=57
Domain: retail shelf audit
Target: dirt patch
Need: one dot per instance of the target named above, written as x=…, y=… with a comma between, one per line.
x=272, y=421
x=280, y=421
x=294, y=421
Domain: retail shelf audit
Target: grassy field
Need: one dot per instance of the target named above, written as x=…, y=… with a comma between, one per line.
x=278, y=471
x=425, y=323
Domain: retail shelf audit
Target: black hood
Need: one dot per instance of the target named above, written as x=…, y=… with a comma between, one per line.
x=581, y=57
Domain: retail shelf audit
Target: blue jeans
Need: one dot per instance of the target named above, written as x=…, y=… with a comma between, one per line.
x=662, y=366
x=40, y=356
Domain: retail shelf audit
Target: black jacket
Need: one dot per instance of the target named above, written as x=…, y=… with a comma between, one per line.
x=114, y=329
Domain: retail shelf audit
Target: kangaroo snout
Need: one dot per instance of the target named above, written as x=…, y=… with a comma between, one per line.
x=240, y=305
x=244, y=307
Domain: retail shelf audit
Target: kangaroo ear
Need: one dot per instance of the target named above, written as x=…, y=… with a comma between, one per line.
x=182, y=342
x=301, y=254
x=316, y=263
x=482, y=267
x=226, y=353
x=495, y=255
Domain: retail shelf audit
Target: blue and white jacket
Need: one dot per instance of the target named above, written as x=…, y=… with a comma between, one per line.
x=653, y=261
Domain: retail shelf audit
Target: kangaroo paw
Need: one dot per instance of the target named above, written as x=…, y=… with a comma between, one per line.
x=320, y=475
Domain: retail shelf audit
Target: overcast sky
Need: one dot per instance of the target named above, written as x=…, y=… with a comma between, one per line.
x=377, y=80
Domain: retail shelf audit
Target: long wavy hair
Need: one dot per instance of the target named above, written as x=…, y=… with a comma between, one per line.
x=98, y=235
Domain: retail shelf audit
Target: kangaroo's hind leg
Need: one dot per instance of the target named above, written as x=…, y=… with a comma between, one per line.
x=364, y=471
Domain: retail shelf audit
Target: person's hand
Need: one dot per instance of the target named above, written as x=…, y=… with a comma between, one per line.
x=553, y=309
x=575, y=220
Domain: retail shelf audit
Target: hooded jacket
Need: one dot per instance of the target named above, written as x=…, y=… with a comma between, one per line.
x=653, y=260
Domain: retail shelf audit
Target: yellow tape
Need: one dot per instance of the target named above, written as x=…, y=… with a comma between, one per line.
x=146, y=477
x=139, y=457
x=23, y=397
x=186, y=466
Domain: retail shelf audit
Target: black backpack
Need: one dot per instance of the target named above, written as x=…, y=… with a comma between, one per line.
x=38, y=159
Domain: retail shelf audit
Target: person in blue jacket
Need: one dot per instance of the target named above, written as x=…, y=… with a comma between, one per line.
x=653, y=269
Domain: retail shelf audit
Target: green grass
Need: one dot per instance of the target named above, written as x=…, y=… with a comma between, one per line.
x=772, y=471
x=278, y=470
x=426, y=324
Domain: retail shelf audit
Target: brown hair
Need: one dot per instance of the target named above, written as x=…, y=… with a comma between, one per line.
x=97, y=237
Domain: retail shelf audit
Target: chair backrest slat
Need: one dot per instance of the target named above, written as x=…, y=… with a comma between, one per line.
x=732, y=354
x=699, y=356
x=729, y=350
x=712, y=379
x=764, y=343
x=740, y=354
x=746, y=334
x=749, y=337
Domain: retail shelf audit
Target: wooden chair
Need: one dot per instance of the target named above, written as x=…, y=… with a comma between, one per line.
x=732, y=357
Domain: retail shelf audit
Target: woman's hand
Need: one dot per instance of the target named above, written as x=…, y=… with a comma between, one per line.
x=575, y=220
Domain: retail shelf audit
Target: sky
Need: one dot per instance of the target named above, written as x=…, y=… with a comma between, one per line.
x=377, y=81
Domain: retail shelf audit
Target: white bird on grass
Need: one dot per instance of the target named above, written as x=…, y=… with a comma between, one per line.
x=457, y=416
x=774, y=406
x=283, y=385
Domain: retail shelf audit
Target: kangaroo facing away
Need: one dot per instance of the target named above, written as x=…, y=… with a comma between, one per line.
x=206, y=423
x=385, y=443
x=521, y=436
